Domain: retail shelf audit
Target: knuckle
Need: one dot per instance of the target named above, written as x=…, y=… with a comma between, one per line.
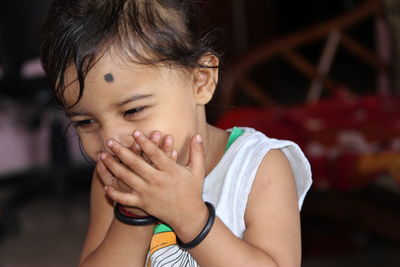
x=162, y=164
x=117, y=150
x=124, y=176
x=132, y=163
x=108, y=162
x=114, y=169
x=157, y=181
x=153, y=152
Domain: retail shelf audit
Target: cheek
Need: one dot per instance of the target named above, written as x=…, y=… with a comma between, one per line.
x=181, y=128
x=90, y=146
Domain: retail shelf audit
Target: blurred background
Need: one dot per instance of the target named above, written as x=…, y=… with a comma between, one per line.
x=324, y=74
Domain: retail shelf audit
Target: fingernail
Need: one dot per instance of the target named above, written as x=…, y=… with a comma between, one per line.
x=168, y=140
x=110, y=143
x=199, y=138
x=156, y=136
x=103, y=156
x=137, y=133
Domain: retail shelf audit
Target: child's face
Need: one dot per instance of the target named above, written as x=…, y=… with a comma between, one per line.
x=121, y=97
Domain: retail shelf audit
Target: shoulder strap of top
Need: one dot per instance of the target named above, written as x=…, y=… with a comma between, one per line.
x=235, y=133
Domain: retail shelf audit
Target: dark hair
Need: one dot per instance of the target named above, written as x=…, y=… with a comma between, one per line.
x=78, y=32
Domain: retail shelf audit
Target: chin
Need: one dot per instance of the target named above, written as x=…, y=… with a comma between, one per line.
x=93, y=158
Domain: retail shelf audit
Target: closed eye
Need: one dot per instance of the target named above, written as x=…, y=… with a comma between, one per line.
x=134, y=111
x=82, y=123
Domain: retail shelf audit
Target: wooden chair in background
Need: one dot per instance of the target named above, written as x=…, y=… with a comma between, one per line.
x=350, y=139
x=334, y=31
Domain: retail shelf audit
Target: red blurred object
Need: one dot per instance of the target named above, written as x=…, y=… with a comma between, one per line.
x=335, y=134
x=350, y=140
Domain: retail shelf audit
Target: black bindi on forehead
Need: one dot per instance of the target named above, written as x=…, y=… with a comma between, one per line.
x=109, y=78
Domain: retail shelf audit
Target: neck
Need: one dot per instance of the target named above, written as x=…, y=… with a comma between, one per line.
x=215, y=141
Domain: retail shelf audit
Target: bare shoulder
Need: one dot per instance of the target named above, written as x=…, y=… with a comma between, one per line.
x=274, y=174
x=101, y=216
x=272, y=215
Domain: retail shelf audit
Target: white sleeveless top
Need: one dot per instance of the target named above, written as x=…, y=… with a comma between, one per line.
x=229, y=183
x=228, y=186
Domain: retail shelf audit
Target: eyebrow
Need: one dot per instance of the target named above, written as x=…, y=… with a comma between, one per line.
x=133, y=98
x=72, y=113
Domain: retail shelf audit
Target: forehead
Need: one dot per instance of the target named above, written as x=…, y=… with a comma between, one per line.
x=112, y=75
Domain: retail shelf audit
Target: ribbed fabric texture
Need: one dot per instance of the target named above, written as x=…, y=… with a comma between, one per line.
x=228, y=185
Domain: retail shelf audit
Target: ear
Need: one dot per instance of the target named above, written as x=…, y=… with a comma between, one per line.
x=205, y=78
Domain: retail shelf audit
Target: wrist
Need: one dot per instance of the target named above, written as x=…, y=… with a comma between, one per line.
x=135, y=211
x=130, y=218
x=188, y=227
x=204, y=231
x=141, y=233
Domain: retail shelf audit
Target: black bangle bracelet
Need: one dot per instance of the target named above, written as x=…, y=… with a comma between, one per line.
x=204, y=232
x=131, y=220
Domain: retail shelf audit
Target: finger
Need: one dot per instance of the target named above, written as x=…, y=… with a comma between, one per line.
x=135, y=162
x=104, y=174
x=167, y=145
x=126, y=199
x=174, y=155
x=121, y=186
x=154, y=153
x=136, y=149
x=122, y=173
x=196, y=156
x=155, y=137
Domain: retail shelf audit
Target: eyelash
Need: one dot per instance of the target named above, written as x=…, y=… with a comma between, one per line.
x=87, y=123
x=82, y=123
x=134, y=111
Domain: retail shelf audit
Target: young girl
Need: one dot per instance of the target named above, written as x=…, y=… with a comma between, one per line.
x=168, y=188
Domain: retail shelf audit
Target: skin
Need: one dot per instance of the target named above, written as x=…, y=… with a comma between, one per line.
x=125, y=126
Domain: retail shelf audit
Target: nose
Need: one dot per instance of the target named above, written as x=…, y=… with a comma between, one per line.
x=119, y=132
